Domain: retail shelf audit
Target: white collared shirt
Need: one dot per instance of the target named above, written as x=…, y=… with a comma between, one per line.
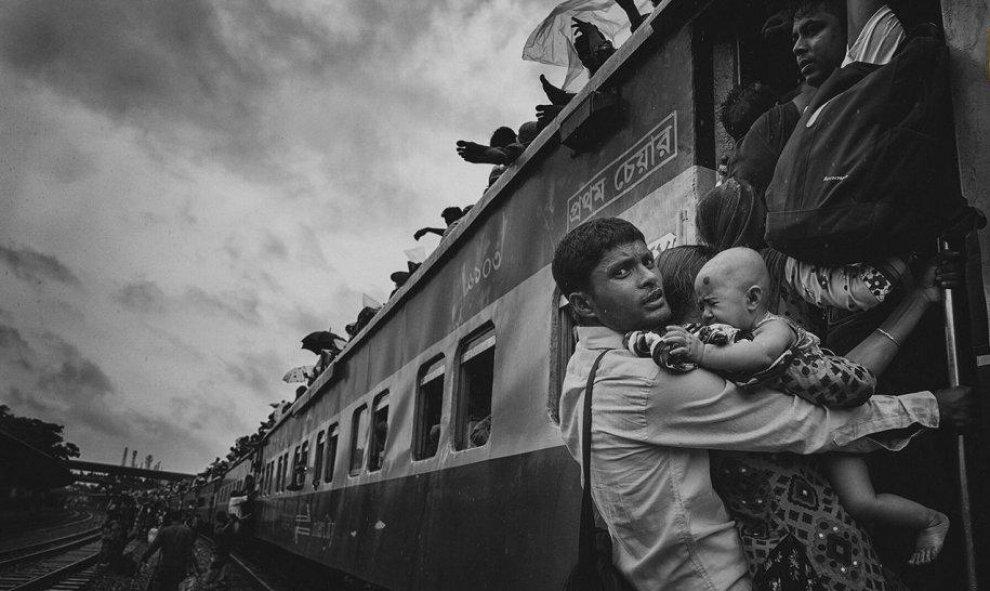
x=650, y=474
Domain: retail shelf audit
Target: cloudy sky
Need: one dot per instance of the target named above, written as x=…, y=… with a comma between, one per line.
x=189, y=187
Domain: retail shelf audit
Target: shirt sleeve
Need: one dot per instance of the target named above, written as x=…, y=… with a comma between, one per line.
x=878, y=41
x=849, y=287
x=701, y=410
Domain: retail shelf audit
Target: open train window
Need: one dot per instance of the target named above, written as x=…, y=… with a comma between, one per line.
x=318, y=458
x=359, y=438
x=474, y=396
x=278, y=474
x=563, y=340
x=429, y=409
x=379, y=434
x=331, y=455
x=297, y=468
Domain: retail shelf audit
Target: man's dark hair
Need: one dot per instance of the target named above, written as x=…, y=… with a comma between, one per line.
x=172, y=516
x=678, y=267
x=743, y=106
x=580, y=251
x=801, y=8
x=502, y=137
x=452, y=214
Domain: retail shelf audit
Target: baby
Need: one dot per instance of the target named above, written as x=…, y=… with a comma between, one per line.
x=751, y=346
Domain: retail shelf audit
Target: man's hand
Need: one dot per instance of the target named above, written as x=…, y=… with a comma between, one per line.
x=545, y=114
x=685, y=344
x=956, y=407
x=478, y=153
x=950, y=270
x=556, y=95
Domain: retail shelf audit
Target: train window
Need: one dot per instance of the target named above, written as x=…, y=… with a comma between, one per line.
x=331, y=453
x=318, y=458
x=429, y=409
x=278, y=474
x=379, y=434
x=303, y=464
x=474, y=397
x=563, y=340
x=296, y=465
x=359, y=438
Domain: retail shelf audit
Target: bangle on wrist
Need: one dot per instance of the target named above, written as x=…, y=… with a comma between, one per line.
x=889, y=336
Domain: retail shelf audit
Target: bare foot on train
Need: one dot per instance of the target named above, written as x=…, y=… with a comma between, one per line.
x=930, y=540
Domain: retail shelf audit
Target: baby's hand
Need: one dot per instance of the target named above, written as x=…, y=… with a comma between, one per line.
x=685, y=345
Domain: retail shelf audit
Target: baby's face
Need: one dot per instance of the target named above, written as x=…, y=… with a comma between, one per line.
x=722, y=302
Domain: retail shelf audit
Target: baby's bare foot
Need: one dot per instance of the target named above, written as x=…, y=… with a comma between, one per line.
x=930, y=540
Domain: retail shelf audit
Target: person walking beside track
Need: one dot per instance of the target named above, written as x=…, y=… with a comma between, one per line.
x=223, y=544
x=176, y=542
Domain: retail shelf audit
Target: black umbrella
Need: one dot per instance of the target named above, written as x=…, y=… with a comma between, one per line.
x=320, y=340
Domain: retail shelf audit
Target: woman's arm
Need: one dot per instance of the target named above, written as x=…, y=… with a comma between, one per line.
x=849, y=287
x=880, y=346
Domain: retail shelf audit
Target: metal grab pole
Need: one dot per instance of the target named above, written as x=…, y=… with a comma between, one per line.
x=965, y=508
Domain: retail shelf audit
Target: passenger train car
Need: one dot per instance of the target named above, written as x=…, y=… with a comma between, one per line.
x=423, y=458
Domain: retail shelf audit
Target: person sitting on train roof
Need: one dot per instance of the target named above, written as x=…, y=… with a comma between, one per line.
x=500, y=156
x=652, y=444
x=593, y=49
x=364, y=317
x=451, y=215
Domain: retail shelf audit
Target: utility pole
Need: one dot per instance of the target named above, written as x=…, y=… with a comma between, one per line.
x=123, y=461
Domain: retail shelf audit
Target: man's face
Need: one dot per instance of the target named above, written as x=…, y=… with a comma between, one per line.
x=625, y=290
x=819, y=45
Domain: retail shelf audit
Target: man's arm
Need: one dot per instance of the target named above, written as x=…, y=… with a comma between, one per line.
x=700, y=410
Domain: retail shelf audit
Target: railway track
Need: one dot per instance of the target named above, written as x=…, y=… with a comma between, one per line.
x=66, y=566
x=27, y=552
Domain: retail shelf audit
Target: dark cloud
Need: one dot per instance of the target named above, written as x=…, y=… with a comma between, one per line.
x=146, y=297
x=305, y=322
x=274, y=247
x=14, y=349
x=33, y=266
x=240, y=307
x=261, y=373
x=142, y=296
x=63, y=385
x=164, y=66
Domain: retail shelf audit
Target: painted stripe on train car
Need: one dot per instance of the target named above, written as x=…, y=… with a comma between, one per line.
x=509, y=523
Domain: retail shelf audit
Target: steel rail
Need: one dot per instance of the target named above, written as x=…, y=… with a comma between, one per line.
x=55, y=550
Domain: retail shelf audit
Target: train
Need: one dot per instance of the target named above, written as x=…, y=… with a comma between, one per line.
x=423, y=457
